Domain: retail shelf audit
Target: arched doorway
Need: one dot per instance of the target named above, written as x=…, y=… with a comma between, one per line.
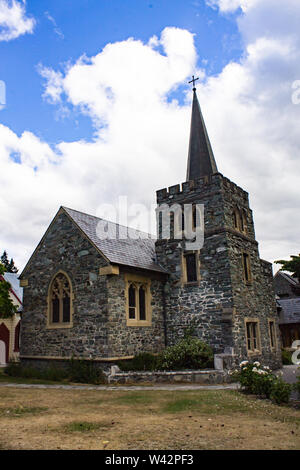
x=4, y=344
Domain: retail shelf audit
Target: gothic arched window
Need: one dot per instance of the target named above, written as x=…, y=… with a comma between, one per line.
x=60, y=301
x=132, y=301
x=138, y=301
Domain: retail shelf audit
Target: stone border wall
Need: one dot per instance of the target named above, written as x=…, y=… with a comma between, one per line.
x=208, y=377
x=115, y=376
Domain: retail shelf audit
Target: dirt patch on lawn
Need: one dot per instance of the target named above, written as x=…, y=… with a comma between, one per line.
x=83, y=419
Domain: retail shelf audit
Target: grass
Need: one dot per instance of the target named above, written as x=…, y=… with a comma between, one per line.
x=210, y=404
x=84, y=426
x=116, y=419
x=21, y=410
x=26, y=380
x=135, y=398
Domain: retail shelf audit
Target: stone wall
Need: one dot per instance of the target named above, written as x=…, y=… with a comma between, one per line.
x=216, y=306
x=99, y=319
x=65, y=248
x=219, y=304
x=130, y=340
x=200, y=304
x=205, y=377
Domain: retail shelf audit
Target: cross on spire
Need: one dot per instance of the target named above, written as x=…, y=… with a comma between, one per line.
x=193, y=82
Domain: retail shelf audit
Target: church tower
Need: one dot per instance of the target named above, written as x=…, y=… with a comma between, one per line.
x=223, y=290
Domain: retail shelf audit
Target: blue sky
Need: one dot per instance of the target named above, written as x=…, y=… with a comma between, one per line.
x=85, y=27
x=91, y=114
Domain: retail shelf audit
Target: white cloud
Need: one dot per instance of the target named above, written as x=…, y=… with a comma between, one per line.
x=13, y=20
x=141, y=139
x=54, y=86
x=226, y=6
x=142, y=148
x=55, y=28
x=254, y=124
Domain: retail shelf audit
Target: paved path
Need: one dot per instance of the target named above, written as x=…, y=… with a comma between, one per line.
x=169, y=387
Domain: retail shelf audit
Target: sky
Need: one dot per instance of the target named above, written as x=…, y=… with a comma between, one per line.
x=97, y=105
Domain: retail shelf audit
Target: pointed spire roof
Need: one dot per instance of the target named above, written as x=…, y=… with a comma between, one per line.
x=201, y=160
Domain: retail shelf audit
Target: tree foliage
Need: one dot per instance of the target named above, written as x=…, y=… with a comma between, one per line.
x=7, y=308
x=292, y=265
x=9, y=266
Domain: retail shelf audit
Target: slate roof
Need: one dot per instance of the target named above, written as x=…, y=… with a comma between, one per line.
x=122, y=245
x=288, y=277
x=290, y=312
x=12, y=278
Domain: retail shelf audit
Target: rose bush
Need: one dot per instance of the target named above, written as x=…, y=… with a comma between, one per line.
x=259, y=380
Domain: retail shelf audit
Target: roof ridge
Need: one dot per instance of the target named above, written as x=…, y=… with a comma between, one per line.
x=288, y=277
x=109, y=221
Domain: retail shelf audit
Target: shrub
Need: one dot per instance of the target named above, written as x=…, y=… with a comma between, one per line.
x=262, y=384
x=13, y=369
x=260, y=381
x=54, y=374
x=84, y=372
x=189, y=353
x=281, y=391
x=286, y=357
x=77, y=371
x=245, y=376
x=142, y=361
x=50, y=373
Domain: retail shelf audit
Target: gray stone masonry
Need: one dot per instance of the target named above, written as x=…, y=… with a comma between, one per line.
x=99, y=319
x=219, y=304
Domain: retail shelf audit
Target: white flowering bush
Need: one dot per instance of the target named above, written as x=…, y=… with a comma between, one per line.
x=259, y=380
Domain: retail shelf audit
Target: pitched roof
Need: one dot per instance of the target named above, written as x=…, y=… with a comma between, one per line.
x=292, y=280
x=290, y=310
x=201, y=160
x=12, y=278
x=122, y=245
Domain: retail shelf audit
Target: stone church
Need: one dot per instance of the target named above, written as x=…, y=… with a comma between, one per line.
x=109, y=299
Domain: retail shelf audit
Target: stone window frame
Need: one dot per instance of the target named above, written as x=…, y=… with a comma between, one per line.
x=138, y=281
x=239, y=220
x=247, y=268
x=257, y=351
x=181, y=220
x=184, y=277
x=59, y=325
x=274, y=346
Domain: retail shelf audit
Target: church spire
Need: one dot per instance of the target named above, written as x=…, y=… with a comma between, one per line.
x=201, y=160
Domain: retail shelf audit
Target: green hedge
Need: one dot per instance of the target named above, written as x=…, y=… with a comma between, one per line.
x=286, y=357
x=76, y=371
x=189, y=353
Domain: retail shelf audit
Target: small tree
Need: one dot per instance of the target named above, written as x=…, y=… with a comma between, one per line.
x=292, y=265
x=7, y=308
x=9, y=266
